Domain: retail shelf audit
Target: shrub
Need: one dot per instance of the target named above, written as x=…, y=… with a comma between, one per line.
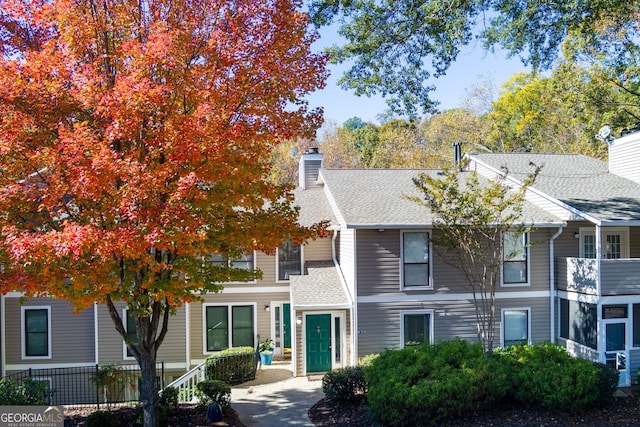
x=424, y=385
x=30, y=392
x=214, y=391
x=100, y=419
x=233, y=366
x=545, y=375
x=169, y=397
x=344, y=384
x=607, y=383
x=367, y=360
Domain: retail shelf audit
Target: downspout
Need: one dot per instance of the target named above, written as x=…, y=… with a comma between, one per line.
x=96, y=334
x=349, y=296
x=187, y=315
x=552, y=283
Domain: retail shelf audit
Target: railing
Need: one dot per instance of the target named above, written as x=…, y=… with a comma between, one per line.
x=232, y=369
x=90, y=385
x=186, y=384
x=617, y=276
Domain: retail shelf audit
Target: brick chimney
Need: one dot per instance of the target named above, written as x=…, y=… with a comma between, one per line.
x=310, y=164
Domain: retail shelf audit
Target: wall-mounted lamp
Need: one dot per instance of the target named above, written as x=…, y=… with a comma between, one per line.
x=576, y=235
x=298, y=320
x=266, y=307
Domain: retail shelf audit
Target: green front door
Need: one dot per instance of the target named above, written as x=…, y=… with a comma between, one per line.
x=318, y=340
x=286, y=325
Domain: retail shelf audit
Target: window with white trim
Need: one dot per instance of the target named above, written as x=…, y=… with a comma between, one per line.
x=416, y=328
x=515, y=255
x=245, y=262
x=289, y=260
x=228, y=326
x=515, y=326
x=36, y=332
x=130, y=327
x=415, y=259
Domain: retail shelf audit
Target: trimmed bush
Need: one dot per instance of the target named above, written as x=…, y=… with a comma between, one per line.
x=101, y=419
x=546, y=376
x=214, y=391
x=345, y=384
x=424, y=385
x=169, y=397
x=29, y=392
x=234, y=365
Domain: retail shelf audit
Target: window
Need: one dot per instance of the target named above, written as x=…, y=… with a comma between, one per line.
x=515, y=327
x=613, y=246
x=245, y=262
x=589, y=246
x=289, y=260
x=416, y=328
x=228, y=326
x=415, y=259
x=514, y=258
x=614, y=240
x=36, y=332
x=130, y=327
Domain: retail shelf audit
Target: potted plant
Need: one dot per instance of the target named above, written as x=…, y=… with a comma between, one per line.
x=266, y=351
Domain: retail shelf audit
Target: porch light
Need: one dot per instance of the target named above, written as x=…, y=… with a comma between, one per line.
x=298, y=320
x=266, y=308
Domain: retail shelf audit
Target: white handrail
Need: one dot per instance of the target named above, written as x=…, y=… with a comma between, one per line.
x=186, y=384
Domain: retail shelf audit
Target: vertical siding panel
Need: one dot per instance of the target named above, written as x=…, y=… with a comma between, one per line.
x=378, y=261
x=347, y=256
x=266, y=264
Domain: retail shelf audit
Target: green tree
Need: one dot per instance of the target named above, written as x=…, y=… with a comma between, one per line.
x=471, y=216
x=396, y=46
x=560, y=113
x=362, y=136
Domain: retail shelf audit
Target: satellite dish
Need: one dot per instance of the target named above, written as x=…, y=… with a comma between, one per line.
x=293, y=152
x=604, y=133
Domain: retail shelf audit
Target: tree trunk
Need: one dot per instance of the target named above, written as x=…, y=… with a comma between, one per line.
x=148, y=392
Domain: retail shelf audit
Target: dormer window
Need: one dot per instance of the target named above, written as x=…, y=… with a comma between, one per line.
x=289, y=260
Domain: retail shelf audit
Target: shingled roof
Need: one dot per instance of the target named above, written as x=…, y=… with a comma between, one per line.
x=377, y=198
x=581, y=182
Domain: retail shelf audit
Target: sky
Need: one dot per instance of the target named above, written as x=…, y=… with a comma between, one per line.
x=473, y=66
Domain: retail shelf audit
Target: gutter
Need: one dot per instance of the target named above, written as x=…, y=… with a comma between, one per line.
x=552, y=284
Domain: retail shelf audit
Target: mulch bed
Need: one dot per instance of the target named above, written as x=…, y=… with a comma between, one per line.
x=183, y=416
x=625, y=412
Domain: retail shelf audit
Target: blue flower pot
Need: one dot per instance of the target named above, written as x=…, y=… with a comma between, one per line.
x=266, y=358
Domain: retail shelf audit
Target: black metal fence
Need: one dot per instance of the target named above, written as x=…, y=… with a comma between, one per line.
x=91, y=385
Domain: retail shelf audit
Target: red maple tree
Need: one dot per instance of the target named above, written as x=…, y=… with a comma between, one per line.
x=135, y=137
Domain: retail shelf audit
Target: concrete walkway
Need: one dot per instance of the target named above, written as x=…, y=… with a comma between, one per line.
x=275, y=398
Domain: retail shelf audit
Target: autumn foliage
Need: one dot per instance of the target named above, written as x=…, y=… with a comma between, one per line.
x=134, y=138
